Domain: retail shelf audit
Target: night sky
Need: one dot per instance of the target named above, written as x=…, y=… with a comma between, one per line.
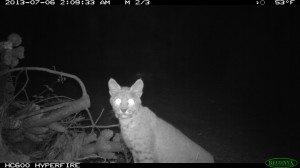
x=242, y=59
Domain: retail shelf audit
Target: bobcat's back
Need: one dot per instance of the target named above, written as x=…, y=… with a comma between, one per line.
x=149, y=138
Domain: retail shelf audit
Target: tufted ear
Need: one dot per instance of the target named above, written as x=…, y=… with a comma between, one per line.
x=113, y=86
x=137, y=87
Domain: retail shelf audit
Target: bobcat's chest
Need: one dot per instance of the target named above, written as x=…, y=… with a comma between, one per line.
x=129, y=130
x=134, y=133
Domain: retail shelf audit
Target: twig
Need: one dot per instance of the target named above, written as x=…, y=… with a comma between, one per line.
x=84, y=93
x=99, y=116
x=26, y=82
x=17, y=78
x=64, y=110
x=24, y=86
x=90, y=126
x=91, y=119
x=53, y=98
x=26, y=95
x=47, y=109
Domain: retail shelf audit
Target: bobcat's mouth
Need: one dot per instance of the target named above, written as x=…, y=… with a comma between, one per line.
x=124, y=114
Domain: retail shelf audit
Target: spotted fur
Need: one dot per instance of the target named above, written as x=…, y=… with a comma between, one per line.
x=149, y=138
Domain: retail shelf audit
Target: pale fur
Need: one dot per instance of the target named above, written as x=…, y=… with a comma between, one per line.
x=149, y=138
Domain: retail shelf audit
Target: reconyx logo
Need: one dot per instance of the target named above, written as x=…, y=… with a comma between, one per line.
x=281, y=162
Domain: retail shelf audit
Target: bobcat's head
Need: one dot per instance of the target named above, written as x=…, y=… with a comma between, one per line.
x=124, y=100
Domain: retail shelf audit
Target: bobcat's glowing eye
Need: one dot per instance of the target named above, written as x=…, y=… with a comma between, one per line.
x=131, y=102
x=118, y=101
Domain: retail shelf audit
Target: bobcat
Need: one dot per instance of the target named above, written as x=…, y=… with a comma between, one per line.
x=149, y=138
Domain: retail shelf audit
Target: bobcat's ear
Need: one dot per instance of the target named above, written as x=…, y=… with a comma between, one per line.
x=113, y=86
x=137, y=87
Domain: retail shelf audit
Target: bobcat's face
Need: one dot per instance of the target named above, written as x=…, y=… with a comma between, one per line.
x=124, y=104
x=125, y=101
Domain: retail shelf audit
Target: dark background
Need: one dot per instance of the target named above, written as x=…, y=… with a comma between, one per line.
x=228, y=71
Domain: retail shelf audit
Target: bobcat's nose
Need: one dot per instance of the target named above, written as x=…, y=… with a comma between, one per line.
x=124, y=110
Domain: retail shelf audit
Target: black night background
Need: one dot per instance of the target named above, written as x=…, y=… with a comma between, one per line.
x=223, y=75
